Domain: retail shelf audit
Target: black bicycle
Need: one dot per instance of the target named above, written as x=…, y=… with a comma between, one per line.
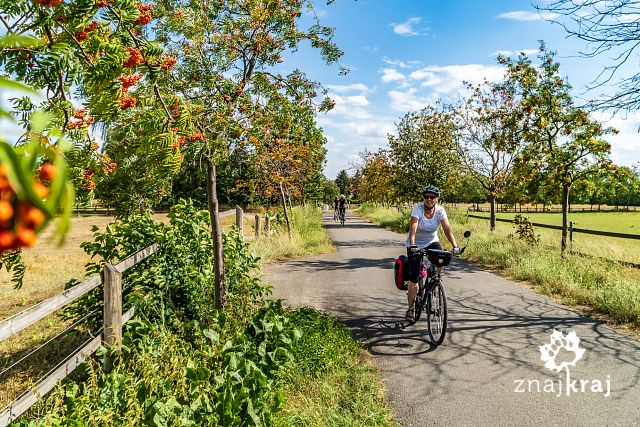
x=341, y=215
x=432, y=296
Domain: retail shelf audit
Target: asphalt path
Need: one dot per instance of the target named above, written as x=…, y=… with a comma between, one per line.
x=489, y=370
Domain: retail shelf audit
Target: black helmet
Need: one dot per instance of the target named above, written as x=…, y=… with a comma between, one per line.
x=431, y=189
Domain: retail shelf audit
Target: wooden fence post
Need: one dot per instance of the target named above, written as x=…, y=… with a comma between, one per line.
x=112, y=311
x=267, y=224
x=257, y=226
x=239, y=222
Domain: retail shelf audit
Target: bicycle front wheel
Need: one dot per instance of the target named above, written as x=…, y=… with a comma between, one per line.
x=437, y=313
x=420, y=301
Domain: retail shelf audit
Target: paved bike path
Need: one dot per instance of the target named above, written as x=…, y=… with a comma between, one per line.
x=495, y=329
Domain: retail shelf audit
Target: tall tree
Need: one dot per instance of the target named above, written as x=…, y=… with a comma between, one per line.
x=228, y=52
x=423, y=151
x=564, y=145
x=376, y=177
x=490, y=137
x=342, y=181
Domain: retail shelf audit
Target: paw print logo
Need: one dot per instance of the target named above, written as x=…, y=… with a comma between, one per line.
x=569, y=342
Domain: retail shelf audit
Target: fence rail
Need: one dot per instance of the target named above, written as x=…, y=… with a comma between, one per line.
x=110, y=333
x=610, y=209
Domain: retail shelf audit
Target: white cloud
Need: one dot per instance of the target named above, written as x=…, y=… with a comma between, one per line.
x=352, y=107
x=407, y=28
x=450, y=79
x=407, y=101
x=625, y=146
x=392, y=75
x=399, y=63
x=522, y=15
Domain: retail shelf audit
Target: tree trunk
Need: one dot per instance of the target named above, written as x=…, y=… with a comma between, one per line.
x=492, y=215
x=565, y=214
x=216, y=236
x=286, y=214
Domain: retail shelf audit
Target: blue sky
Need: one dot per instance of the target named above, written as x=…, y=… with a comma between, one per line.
x=406, y=54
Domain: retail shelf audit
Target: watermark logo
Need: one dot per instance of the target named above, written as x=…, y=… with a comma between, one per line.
x=549, y=353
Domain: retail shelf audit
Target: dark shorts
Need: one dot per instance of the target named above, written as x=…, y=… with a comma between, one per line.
x=414, y=261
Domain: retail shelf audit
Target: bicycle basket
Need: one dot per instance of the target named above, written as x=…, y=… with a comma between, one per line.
x=439, y=258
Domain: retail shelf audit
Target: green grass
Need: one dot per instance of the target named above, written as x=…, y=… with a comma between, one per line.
x=331, y=381
x=604, y=287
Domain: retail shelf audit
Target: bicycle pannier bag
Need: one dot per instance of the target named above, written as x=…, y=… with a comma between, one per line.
x=401, y=272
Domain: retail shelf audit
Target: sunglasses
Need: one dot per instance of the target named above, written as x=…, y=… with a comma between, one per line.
x=430, y=197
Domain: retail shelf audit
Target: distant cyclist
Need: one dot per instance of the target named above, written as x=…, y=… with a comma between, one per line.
x=342, y=204
x=423, y=234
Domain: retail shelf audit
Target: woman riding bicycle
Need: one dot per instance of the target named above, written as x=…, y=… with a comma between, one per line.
x=423, y=233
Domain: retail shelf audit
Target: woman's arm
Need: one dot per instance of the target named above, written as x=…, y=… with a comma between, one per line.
x=446, y=227
x=413, y=226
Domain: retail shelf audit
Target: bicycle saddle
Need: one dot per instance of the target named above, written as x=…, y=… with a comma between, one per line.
x=438, y=257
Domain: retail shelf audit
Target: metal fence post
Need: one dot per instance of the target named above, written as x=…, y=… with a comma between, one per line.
x=570, y=236
x=257, y=226
x=112, y=311
x=239, y=222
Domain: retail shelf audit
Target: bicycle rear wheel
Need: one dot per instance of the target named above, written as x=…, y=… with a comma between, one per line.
x=437, y=313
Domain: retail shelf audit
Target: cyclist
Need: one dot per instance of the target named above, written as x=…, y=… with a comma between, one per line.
x=423, y=233
x=342, y=204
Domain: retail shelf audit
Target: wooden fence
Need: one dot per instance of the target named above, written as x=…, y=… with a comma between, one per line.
x=572, y=230
x=113, y=320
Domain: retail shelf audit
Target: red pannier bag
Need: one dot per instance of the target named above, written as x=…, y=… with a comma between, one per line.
x=401, y=272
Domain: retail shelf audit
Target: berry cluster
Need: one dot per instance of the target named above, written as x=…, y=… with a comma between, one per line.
x=145, y=14
x=135, y=58
x=19, y=219
x=79, y=120
x=179, y=142
x=166, y=63
x=48, y=3
x=87, y=180
x=130, y=80
x=81, y=36
x=196, y=137
x=127, y=101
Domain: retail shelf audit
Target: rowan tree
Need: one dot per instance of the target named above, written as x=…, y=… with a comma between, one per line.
x=228, y=54
x=488, y=122
x=563, y=145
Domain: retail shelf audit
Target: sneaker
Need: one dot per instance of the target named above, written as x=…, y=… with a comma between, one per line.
x=409, y=315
